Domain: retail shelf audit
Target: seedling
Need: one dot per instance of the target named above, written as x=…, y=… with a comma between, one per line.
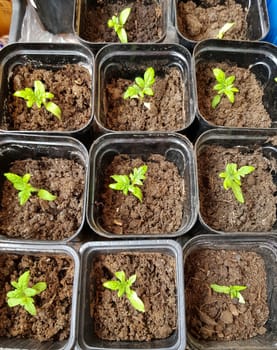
x=129, y=183
x=275, y=79
x=118, y=22
x=233, y=291
x=224, y=86
x=222, y=31
x=21, y=183
x=232, y=177
x=123, y=288
x=142, y=86
x=39, y=97
x=23, y=294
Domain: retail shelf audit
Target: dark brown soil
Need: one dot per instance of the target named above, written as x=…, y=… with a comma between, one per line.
x=167, y=107
x=247, y=110
x=53, y=305
x=144, y=24
x=203, y=19
x=164, y=196
x=71, y=86
x=218, y=206
x=215, y=316
x=37, y=218
x=114, y=317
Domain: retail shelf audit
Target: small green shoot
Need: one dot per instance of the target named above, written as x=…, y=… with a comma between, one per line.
x=39, y=96
x=21, y=183
x=233, y=291
x=129, y=183
x=224, y=86
x=118, y=22
x=275, y=79
x=222, y=31
x=232, y=177
x=23, y=294
x=142, y=86
x=123, y=288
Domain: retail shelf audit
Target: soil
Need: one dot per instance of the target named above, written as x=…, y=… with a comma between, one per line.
x=71, y=86
x=167, y=107
x=144, y=24
x=162, y=207
x=199, y=20
x=247, y=110
x=53, y=306
x=224, y=212
x=215, y=316
x=114, y=318
x=37, y=218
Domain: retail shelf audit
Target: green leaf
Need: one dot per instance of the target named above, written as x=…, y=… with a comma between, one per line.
x=135, y=301
x=230, y=95
x=122, y=183
x=122, y=35
x=232, y=291
x=230, y=80
x=245, y=170
x=140, y=82
x=220, y=289
x=227, y=26
x=215, y=101
x=54, y=109
x=136, y=191
x=24, y=196
x=120, y=275
x=148, y=91
x=219, y=75
x=30, y=307
x=47, y=196
x=138, y=175
x=110, y=23
x=30, y=292
x=23, y=280
x=132, y=279
x=131, y=92
x=112, y=285
x=13, y=301
x=40, y=287
x=149, y=76
x=124, y=14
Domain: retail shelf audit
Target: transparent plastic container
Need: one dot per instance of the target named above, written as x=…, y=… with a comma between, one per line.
x=259, y=57
x=49, y=250
x=175, y=148
x=266, y=247
x=246, y=140
x=123, y=61
x=87, y=339
x=18, y=146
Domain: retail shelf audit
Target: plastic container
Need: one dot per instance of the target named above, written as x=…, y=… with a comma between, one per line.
x=175, y=148
x=87, y=340
x=49, y=250
x=47, y=56
x=246, y=141
x=130, y=61
x=266, y=247
x=257, y=20
x=259, y=57
x=18, y=146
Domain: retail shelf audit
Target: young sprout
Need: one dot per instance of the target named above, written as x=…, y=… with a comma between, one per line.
x=123, y=287
x=129, y=183
x=21, y=183
x=222, y=31
x=39, y=96
x=232, y=177
x=142, y=86
x=118, y=22
x=275, y=79
x=23, y=294
x=233, y=291
x=224, y=86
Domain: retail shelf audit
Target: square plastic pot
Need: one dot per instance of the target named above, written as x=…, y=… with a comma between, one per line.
x=130, y=61
x=49, y=56
x=266, y=247
x=83, y=6
x=87, y=339
x=259, y=57
x=18, y=147
x=257, y=20
x=175, y=148
x=49, y=250
x=246, y=141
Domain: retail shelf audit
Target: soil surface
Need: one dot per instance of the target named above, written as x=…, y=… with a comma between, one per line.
x=114, y=317
x=71, y=86
x=37, y=218
x=215, y=316
x=199, y=20
x=144, y=24
x=163, y=203
x=53, y=306
x=224, y=212
x=247, y=110
x=167, y=107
